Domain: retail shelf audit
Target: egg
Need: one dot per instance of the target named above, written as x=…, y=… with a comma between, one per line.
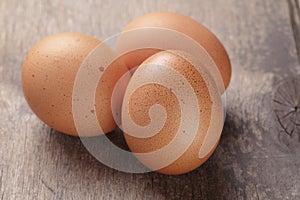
x=48, y=74
x=182, y=24
x=172, y=114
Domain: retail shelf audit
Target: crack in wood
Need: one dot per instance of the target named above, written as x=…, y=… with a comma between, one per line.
x=47, y=186
x=294, y=10
x=286, y=99
x=287, y=114
x=282, y=126
x=281, y=103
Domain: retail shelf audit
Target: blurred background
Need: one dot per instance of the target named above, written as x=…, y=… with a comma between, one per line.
x=258, y=156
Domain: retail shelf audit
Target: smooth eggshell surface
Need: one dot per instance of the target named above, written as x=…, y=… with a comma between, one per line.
x=191, y=104
x=48, y=76
x=185, y=25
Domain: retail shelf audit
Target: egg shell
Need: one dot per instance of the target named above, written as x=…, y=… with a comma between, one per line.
x=140, y=99
x=185, y=25
x=48, y=76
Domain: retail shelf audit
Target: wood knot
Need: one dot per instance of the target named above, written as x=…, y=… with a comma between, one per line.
x=286, y=106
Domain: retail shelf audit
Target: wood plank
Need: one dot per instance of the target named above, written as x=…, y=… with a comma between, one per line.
x=295, y=22
x=255, y=158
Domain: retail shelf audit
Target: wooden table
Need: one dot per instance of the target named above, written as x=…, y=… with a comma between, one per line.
x=258, y=156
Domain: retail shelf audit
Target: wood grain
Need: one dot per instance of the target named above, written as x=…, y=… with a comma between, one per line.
x=255, y=158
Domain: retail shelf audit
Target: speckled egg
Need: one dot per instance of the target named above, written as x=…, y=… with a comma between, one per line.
x=172, y=113
x=48, y=76
x=182, y=24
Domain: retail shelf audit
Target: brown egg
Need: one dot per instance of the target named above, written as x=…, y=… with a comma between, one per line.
x=185, y=25
x=172, y=113
x=48, y=76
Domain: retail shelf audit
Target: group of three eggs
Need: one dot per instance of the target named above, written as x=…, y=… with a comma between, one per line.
x=176, y=71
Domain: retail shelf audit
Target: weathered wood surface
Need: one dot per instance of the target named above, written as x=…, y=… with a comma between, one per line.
x=256, y=158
